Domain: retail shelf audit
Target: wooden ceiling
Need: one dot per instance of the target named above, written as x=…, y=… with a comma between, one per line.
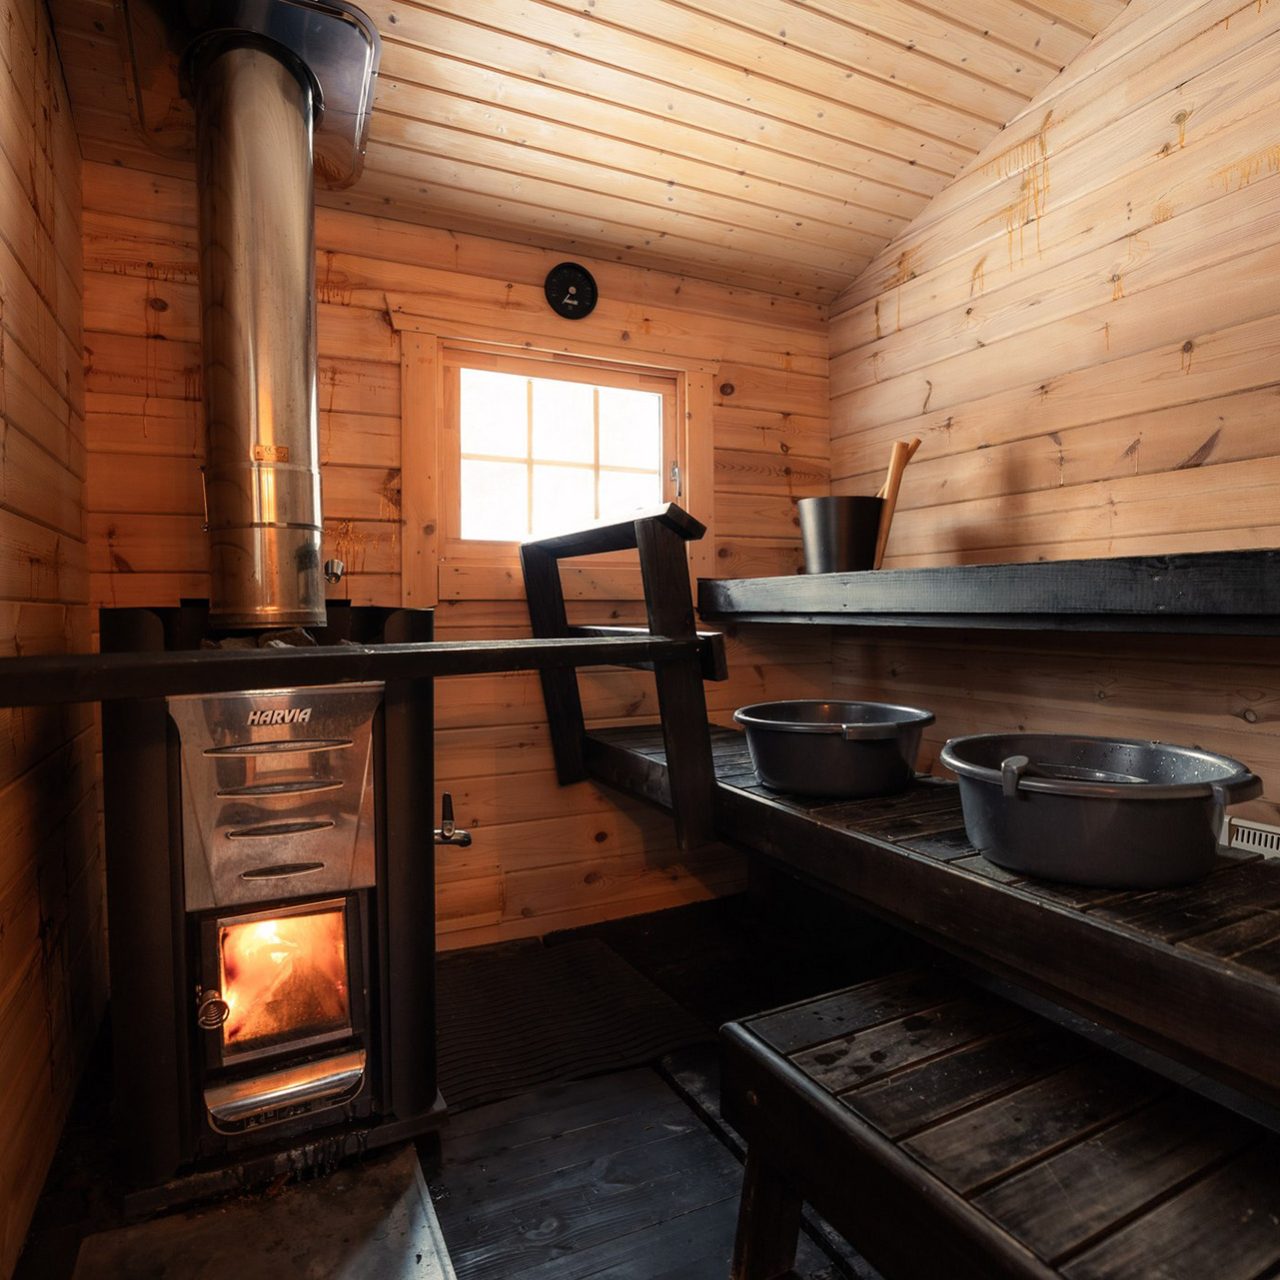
x=771, y=143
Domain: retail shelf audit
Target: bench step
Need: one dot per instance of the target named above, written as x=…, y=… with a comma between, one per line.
x=948, y=1132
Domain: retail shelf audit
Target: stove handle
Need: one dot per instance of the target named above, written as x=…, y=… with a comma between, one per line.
x=447, y=832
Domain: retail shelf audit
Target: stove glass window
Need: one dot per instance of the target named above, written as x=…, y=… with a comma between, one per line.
x=284, y=978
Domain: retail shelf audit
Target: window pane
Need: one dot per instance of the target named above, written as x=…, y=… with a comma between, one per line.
x=495, y=500
x=563, y=499
x=495, y=413
x=563, y=421
x=630, y=428
x=622, y=492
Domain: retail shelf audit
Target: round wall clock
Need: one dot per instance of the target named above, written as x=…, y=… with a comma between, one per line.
x=571, y=291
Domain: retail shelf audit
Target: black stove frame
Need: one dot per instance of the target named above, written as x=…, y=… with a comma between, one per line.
x=155, y=944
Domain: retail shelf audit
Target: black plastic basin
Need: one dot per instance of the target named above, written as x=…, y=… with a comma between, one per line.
x=842, y=749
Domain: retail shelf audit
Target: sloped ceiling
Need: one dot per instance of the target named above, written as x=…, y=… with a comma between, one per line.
x=771, y=143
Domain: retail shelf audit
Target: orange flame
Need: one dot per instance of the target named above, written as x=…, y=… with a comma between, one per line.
x=284, y=978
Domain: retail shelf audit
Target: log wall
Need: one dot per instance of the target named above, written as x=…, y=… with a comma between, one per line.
x=52, y=928
x=1084, y=330
x=543, y=857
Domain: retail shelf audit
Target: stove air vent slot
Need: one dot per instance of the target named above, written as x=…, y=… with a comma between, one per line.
x=281, y=870
x=269, y=830
x=280, y=746
x=272, y=789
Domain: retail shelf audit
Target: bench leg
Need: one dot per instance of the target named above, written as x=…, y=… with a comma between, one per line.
x=768, y=1224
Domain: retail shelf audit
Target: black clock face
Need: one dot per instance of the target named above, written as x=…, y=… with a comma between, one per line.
x=571, y=291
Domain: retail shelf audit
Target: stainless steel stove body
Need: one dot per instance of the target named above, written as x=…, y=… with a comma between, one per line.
x=278, y=805
x=271, y=897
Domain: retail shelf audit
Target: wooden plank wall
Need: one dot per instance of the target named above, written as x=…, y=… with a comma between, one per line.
x=543, y=857
x=52, y=926
x=1085, y=330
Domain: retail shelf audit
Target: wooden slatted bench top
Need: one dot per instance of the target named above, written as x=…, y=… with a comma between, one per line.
x=1193, y=972
x=949, y=1133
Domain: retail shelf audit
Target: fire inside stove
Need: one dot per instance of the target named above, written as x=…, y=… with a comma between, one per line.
x=284, y=978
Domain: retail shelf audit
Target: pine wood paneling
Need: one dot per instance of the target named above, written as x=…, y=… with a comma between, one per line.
x=776, y=144
x=1084, y=331
x=52, y=927
x=544, y=857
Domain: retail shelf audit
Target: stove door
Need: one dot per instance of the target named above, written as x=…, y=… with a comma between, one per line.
x=280, y=981
x=281, y=1011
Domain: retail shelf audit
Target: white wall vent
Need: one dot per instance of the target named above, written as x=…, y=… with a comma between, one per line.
x=1256, y=837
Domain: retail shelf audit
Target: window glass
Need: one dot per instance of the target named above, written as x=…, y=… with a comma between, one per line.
x=630, y=428
x=545, y=455
x=495, y=414
x=495, y=500
x=563, y=421
x=622, y=492
x=564, y=498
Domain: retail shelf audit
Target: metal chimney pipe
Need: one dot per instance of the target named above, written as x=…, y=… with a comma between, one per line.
x=255, y=112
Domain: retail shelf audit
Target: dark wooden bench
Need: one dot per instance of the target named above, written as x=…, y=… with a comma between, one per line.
x=948, y=1133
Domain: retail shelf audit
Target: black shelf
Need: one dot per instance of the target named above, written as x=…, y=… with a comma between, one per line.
x=1209, y=593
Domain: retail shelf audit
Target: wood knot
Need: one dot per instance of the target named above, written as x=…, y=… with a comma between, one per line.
x=727, y=388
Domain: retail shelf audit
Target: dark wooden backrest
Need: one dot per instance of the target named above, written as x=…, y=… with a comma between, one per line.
x=660, y=537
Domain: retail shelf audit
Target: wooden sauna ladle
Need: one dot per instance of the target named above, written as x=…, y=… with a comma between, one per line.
x=903, y=452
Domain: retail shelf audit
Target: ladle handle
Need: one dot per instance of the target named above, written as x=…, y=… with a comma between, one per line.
x=902, y=453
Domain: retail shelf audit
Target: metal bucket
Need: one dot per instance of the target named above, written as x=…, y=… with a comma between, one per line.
x=1113, y=812
x=839, y=534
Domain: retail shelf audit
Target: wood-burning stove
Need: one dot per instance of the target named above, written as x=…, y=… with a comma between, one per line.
x=271, y=902
x=278, y=813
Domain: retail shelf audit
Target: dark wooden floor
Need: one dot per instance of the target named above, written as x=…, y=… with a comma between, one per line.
x=633, y=1175
x=616, y=1178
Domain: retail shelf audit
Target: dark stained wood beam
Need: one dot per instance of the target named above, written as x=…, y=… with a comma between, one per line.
x=621, y=536
x=105, y=677
x=659, y=537
x=1218, y=591
x=710, y=648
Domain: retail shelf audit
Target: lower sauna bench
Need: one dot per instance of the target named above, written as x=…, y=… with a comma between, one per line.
x=948, y=1133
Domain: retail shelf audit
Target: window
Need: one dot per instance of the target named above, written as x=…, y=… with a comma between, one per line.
x=533, y=465
x=542, y=446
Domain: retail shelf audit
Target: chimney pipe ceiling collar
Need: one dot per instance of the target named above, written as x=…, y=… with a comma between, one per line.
x=329, y=43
